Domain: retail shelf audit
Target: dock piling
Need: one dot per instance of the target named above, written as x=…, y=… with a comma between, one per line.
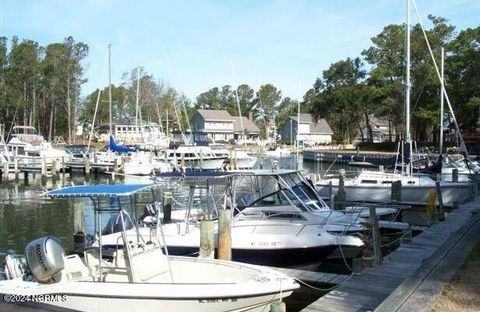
x=167, y=207
x=78, y=228
x=441, y=214
x=224, y=234
x=341, y=197
x=377, y=252
x=207, y=249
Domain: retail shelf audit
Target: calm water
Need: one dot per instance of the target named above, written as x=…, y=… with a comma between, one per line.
x=25, y=215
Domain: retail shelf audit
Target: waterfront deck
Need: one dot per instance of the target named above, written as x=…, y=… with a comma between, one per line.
x=410, y=277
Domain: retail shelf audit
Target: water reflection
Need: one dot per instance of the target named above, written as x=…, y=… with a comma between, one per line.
x=25, y=215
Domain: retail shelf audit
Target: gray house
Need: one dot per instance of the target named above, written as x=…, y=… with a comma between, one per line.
x=218, y=124
x=307, y=130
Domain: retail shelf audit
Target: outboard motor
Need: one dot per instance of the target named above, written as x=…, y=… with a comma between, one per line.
x=45, y=258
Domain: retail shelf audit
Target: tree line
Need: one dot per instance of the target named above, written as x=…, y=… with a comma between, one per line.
x=352, y=90
x=40, y=86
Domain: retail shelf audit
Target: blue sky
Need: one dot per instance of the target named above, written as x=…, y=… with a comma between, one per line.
x=192, y=45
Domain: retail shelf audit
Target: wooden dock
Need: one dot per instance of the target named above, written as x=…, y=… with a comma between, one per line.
x=313, y=277
x=408, y=277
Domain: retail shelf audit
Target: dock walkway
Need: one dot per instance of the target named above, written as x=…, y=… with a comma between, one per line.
x=409, y=276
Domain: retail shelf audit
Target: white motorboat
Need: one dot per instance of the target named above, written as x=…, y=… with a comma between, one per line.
x=278, y=215
x=140, y=275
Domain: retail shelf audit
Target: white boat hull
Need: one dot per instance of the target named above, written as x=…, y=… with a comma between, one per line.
x=415, y=195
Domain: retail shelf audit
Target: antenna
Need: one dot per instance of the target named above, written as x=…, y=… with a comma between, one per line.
x=110, y=86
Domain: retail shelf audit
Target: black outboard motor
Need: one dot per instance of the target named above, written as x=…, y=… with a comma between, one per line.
x=45, y=257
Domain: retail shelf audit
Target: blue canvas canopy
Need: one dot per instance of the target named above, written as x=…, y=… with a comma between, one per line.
x=107, y=190
x=119, y=148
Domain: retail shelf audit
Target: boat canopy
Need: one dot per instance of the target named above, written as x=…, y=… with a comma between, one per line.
x=97, y=191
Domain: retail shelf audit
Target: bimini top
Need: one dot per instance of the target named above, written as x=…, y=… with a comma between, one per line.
x=105, y=190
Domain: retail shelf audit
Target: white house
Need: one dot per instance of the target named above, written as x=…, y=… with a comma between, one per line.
x=308, y=130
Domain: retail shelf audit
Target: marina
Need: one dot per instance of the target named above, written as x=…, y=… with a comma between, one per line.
x=123, y=187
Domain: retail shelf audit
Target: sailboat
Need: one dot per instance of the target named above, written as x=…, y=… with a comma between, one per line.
x=375, y=186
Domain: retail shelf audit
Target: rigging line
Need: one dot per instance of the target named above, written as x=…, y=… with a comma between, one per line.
x=182, y=98
x=96, y=105
x=439, y=76
x=235, y=91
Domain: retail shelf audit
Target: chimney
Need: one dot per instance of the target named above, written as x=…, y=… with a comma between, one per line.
x=250, y=115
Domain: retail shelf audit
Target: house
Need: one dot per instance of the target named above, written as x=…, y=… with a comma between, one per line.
x=249, y=128
x=310, y=131
x=218, y=124
x=381, y=130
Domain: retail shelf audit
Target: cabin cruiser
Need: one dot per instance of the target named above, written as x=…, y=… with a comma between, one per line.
x=191, y=151
x=31, y=148
x=275, y=214
x=140, y=274
x=236, y=158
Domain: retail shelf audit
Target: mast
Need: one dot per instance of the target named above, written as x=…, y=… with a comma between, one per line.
x=110, y=88
x=408, y=137
x=442, y=90
x=138, y=97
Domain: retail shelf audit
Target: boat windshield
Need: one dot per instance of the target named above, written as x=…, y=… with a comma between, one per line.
x=280, y=190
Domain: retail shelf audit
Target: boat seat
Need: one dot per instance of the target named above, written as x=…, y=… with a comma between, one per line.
x=149, y=264
x=75, y=269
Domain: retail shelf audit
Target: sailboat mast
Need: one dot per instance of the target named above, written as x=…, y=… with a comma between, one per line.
x=137, y=102
x=110, y=88
x=442, y=90
x=408, y=136
x=407, y=82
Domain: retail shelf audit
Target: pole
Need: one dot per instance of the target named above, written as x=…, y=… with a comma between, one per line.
x=442, y=87
x=225, y=234
x=377, y=252
x=110, y=87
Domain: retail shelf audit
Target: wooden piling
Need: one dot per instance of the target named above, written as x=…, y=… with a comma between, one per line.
x=341, y=197
x=167, y=207
x=207, y=247
x=5, y=172
x=396, y=194
x=455, y=175
x=377, y=251
x=78, y=227
x=44, y=170
x=441, y=214
x=15, y=166
x=225, y=234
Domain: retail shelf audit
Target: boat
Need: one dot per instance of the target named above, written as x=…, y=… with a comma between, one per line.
x=139, y=275
x=190, y=151
x=30, y=148
x=375, y=186
x=275, y=214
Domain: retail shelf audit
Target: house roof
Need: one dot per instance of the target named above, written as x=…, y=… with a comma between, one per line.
x=248, y=125
x=316, y=127
x=214, y=114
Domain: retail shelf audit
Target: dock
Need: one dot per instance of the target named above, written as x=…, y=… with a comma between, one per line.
x=375, y=159
x=413, y=275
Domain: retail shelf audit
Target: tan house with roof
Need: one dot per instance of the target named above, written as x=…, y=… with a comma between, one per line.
x=308, y=130
x=220, y=125
x=250, y=129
